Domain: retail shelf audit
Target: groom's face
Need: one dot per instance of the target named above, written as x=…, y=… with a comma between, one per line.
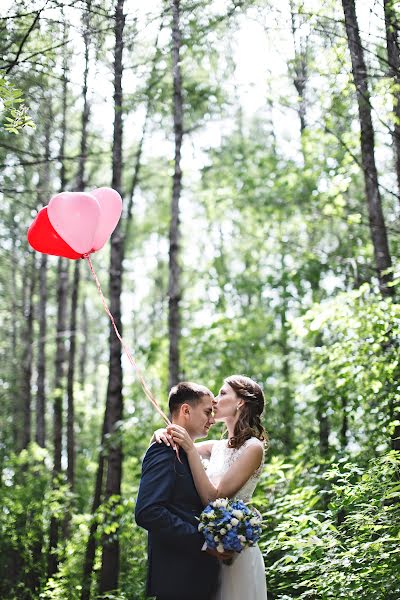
x=200, y=418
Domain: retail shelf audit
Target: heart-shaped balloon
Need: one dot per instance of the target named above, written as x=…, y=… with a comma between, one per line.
x=110, y=212
x=75, y=217
x=43, y=237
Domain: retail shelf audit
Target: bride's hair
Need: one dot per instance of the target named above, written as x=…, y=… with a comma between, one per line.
x=249, y=422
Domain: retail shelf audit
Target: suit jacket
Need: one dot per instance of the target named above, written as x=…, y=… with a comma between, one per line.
x=167, y=506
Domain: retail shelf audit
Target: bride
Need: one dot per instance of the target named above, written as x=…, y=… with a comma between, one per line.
x=235, y=465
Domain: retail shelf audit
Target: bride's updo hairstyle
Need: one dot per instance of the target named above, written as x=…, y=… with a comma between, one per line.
x=249, y=422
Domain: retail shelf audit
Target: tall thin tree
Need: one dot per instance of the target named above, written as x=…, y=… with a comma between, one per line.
x=90, y=551
x=299, y=65
x=14, y=328
x=52, y=559
x=91, y=545
x=383, y=261
x=44, y=188
x=111, y=552
x=392, y=27
x=80, y=186
x=174, y=289
x=26, y=393
x=83, y=350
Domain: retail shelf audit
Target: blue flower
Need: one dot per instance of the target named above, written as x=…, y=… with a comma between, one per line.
x=231, y=537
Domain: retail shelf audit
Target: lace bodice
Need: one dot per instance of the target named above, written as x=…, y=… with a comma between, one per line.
x=222, y=458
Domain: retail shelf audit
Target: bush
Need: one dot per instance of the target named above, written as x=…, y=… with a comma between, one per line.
x=349, y=550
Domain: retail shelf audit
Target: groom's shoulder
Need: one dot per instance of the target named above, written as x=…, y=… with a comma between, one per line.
x=158, y=457
x=159, y=452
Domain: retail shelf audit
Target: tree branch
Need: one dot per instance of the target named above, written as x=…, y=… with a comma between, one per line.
x=24, y=40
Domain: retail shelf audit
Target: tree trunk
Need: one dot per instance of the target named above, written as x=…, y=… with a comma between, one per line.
x=44, y=191
x=383, y=260
x=110, y=555
x=91, y=544
x=81, y=176
x=287, y=399
x=52, y=559
x=344, y=425
x=62, y=287
x=396, y=435
x=41, y=364
x=80, y=186
x=324, y=430
x=14, y=335
x=394, y=415
x=300, y=74
x=392, y=26
x=153, y=80
x=27, y=358
x=174, y=293
x=83, y=352
x=71, y=377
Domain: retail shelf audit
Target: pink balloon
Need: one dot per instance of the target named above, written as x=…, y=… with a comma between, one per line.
x=75, y=217
x=111, y=207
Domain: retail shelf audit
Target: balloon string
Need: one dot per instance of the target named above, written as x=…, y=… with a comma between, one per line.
x=125, y=347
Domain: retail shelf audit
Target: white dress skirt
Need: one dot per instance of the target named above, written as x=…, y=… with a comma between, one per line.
x=245, y=578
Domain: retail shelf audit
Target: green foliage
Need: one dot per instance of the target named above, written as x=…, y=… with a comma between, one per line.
x=274, y=250
x=14, y=112
x=26, y=506
x=348, y=549
x=354, y=366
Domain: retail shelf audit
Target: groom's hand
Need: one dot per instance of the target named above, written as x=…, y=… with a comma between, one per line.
x=220, y=555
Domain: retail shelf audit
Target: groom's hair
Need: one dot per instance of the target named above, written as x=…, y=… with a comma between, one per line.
x=186, y=392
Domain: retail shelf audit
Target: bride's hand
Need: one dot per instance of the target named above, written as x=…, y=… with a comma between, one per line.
x=181, y=437
x=161, y=436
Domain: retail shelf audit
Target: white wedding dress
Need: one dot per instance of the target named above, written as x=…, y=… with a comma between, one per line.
x=245, y=578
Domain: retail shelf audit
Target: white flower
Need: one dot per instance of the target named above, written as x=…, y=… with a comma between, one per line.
x=228, y=526
x=241, y=538
x=216, y=538
x=223, y=502
x=254, y=521
x=234, y=522
x=220, y=548
x=223, y=531
x=238, y=514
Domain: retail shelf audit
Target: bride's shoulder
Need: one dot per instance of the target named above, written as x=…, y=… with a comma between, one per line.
x=254, y=447
x=253, y=441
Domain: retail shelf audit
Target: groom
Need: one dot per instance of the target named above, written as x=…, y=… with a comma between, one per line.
x=168, y=504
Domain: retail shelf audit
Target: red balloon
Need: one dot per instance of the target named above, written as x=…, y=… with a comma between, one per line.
x=43, y=237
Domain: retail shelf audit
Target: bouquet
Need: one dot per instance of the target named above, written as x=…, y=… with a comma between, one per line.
x=230, y=525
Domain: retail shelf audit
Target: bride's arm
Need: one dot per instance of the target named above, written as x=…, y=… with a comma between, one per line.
x=232, y=481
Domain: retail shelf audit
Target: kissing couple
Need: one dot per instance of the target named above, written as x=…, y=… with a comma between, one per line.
x=173, y=492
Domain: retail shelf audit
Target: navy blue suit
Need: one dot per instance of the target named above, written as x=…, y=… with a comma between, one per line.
x=167, y=506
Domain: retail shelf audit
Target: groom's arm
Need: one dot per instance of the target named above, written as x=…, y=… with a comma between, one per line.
x=155, y=492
